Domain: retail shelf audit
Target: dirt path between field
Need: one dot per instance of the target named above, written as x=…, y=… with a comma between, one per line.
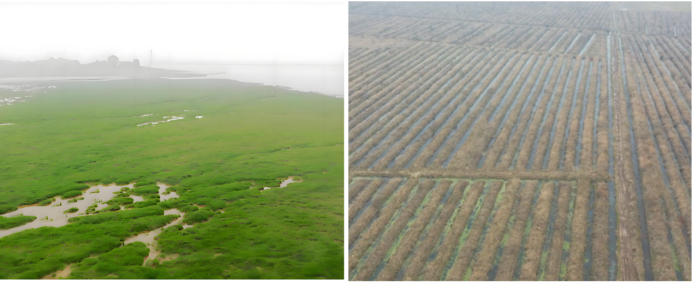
x=623, y=188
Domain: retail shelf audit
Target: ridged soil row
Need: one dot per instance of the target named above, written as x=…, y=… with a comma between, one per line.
x=550, y=47
x=412, y=29
x=363, y=197
x=385, y=27
x=534, y=43
x=371, y=212
x=585, y=46
x=439, y=126
x=432, y=233
x=370, y=59
x=372, y=24
x=375, y=82
x=383, y=91
x=397, y=156
x=464, y=38
x=574, y=264
x=628, y=178
x=383, y=70
x=537, y=43
x=467, y=242
x=599, y=236
x=489, y=271
x=404, y=244
x=677, y=226
x=450, y=30
x=682, y=111
x=600, y=142
x=528, y=261
x=554, y=249
x=478, y=141
x=395, y=128
x=572, y=44
x=571, y=125
x=671, y=171
x=495, y=231
x=673, y=59
x=361, y=133
x=369, y=22
x=667, y=129
x=662, y=259
x=681, y=58
x=362, y=246
x=509, y=32
x=675, y=252
x=375, y=266
x=464, y=214
x=552, y=147
x=482, y=248
x=672, y=112
x=407, y=28
x=441, y=90
x=683, y=99
x=356, y=57
x=379, y=61
x=515, y=41
x=504, y=265
x=475, y=110
x=586, y=135
x=567, y=41
x=363, y=268
x=533, y=145
x=502, y=132
x=524, y=121
x=371, y=78
x=441, y=108
x=494, y=31
x=355, y=187
x=422, y=95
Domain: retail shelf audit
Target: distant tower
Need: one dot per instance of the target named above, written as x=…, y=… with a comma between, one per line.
x=151, y=57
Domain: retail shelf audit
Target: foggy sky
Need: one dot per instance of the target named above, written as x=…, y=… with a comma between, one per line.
x=178, y=33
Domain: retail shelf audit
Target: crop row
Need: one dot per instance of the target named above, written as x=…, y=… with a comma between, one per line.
x=457, y=229
x=478, y=115
x=654, y=22
x=661, y=224
x=492, y=35
x=582, y=15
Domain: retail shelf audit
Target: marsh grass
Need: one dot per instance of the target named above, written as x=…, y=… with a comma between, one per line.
x=14, y=221
x=83, y=134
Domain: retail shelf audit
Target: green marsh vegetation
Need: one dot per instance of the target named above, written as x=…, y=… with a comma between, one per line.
x=82, y=134
x=14, y=221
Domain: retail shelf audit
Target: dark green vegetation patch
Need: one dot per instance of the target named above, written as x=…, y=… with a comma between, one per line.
x=71, y=194
x=71, y=210
x=14, y=221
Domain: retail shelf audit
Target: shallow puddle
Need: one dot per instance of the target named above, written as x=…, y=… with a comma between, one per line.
x=52, y=214
x=288, y=181
x=283, y=184
x=162, y=192
x=149, y=238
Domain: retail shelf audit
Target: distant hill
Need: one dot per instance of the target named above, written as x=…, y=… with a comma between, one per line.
x=64, y=67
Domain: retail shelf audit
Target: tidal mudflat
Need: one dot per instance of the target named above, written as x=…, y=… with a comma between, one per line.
x=180, y=200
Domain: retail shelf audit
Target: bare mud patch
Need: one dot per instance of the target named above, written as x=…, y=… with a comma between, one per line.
x=60, y=274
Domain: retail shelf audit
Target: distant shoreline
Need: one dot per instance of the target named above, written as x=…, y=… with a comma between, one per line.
x=17, y=80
